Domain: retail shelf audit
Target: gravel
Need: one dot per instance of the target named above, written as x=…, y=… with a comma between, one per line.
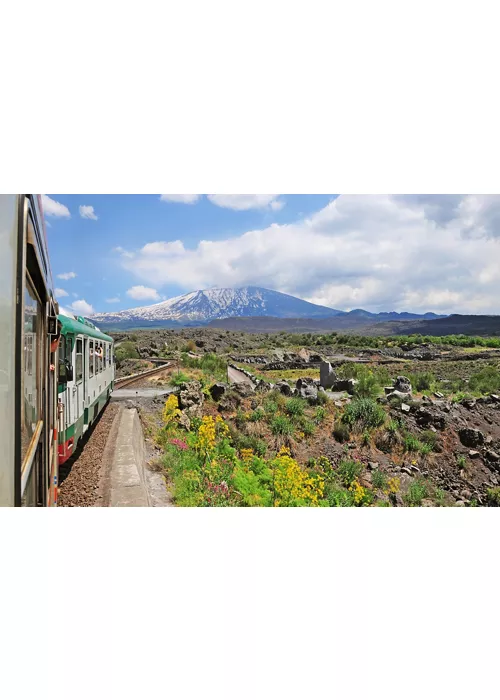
x=79, y=486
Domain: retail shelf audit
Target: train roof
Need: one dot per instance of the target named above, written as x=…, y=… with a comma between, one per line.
x=78, y=325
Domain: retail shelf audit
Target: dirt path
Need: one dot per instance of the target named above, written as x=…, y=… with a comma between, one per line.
x=237, y=377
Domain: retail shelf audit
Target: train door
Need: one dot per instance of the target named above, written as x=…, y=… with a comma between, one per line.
x=79, y=388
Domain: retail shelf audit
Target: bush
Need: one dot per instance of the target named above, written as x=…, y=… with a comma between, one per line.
x=494, y=496
x=295, y=407
x=341, y=432
x=126, y=351
x=430, y=438
x=320, y=414
x=486, y=381
x=348, y=471
x=416, y=493
x=281, y=425
x=179, y=378
x=422, y=380
x=338, y=497
x=258, y=414
x=367, y=386
x=379, y=480
x=364, y=413
x=308, y=427
x=411, y=443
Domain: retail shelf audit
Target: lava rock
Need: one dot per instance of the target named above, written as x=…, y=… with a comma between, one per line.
x=471, y=437
x=218, y=390
x=284, y=388
x=403, y=385
x=307, y=389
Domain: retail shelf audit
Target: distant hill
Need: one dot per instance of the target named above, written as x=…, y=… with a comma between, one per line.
x=364, y=325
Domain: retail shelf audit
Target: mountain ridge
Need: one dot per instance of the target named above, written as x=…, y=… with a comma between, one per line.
x=204, y=306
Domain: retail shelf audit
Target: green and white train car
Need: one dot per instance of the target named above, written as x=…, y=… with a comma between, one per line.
x=86, y=378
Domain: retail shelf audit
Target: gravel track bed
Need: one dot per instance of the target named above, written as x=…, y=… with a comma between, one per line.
x=80, y=487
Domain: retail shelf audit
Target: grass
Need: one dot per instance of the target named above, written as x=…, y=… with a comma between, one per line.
x=348, y=471
x=379, y=479
x=494, y=496
x=461, y=461
x=416, y=493
x=178, y=378
x=422, y=381
x=341, y=432
x=295, y=407
x=282, y=425
x=364, y=414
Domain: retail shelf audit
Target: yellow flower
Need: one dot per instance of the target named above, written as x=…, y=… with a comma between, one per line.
x=171, y=409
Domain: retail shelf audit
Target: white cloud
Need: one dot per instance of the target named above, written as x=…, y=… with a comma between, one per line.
x=380, y=252
x=53, y=208
x=82, y=308
x=113, y=300
x=61, y=293
x=143, y=293
x=67, y=275
x=243, y=202
x=123, y=252
x=180, y=198
x=87, y=212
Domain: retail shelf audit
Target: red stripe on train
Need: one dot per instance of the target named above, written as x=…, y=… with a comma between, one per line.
x=66, y=450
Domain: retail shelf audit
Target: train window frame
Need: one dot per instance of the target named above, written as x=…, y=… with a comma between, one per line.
x=91, y=358
x=79, y=377
x=28, y=456
x=104, y=356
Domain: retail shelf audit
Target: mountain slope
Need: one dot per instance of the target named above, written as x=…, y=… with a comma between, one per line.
x=203, y=306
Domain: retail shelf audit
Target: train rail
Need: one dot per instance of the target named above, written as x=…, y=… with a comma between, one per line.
x=133, y=378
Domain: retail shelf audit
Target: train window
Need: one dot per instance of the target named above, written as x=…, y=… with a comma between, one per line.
x=91, y=358
x=105, y=355
x=79, y=360
x=31, y=355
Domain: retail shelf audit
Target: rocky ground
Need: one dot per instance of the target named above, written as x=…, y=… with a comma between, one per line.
x=79, y=477
x=447, y=440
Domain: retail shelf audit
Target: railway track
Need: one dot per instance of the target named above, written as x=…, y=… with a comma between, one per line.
x=132, y=379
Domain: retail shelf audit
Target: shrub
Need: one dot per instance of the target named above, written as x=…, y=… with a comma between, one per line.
x=411, y=443
x=295, y=407
x=338, y=497
x=379, y=480
x=366, y=438
x=486, y=381
x=422, y=380
x=440, y=495
x=416, y=493
x=308, y=427
x=258, y=414
x=270, y=407
x=461, y=461
x=348, y=471
x=320, y=414
x=190, y=346
x=494, y=496
x=367, y=386
x=281, y=425
x=126, y=351
x=430, y=438
x=179, y=378
x=249, y=485
x=341, y=432
x=364, y=413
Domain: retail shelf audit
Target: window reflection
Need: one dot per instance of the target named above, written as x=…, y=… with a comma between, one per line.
x=32, y=320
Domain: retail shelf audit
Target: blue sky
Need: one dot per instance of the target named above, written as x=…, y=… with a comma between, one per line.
x=378, y=252
x=87, y=246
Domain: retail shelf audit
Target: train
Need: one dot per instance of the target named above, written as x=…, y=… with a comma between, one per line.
x=57, y=369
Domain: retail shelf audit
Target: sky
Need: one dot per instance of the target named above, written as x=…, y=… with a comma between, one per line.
x=414, y=253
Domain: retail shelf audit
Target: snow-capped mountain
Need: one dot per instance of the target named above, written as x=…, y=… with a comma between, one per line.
x=206, y=305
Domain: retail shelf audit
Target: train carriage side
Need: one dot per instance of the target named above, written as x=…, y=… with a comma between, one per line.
x=28, y=441
x=86, y=379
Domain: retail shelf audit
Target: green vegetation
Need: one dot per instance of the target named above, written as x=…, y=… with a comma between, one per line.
x=494, y=496
x=416, y=493
x=379, y=480
x=281, y=425
x=126, y=351
x=363, y=414
x=486, y=381
x=179, y=378
x=295, y=407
